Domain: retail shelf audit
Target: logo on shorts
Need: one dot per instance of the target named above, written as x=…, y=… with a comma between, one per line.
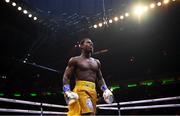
x=89, y=104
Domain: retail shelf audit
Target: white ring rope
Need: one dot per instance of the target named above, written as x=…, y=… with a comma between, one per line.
x=141, y=107
x=20, y=101
x=29, y=111
x=141, y=101
x=20, y=111
x=100, y=105
x=48, y=112
x=31, y=103
x=54, y=105
x=150, y=100
x=62, y=106
x=104, y=108
x=113, y=104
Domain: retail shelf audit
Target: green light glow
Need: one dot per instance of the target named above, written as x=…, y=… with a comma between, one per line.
x=33, y=94
x=48, y=93
x=1, y=94
x=132, y=85
x=17, y=94
x=148, y=83
x=114, y=88
x=167, y=81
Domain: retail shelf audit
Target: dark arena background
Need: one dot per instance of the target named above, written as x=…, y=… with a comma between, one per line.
x=137, y=42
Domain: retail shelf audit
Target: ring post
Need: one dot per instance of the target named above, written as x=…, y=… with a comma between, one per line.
x=41, y=107
x=119, y=109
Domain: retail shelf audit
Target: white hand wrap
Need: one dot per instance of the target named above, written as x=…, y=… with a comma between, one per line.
x=108, y=96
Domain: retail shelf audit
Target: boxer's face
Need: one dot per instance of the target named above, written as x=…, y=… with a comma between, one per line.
x=87, y=46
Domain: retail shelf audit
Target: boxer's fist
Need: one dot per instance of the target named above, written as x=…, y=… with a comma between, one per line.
x=108, y=96
x=71, y=97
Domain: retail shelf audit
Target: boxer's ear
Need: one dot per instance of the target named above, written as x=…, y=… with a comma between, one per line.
x=80, y=46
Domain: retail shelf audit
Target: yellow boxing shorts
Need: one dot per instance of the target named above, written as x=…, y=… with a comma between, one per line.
x=87, y=99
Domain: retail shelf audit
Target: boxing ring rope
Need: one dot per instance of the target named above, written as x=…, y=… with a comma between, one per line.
x=31, y=103
x=29, y=111
x=100, y=106
x=142, y=101
x=141, y=107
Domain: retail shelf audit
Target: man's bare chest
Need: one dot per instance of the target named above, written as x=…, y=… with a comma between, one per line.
x=87, y=64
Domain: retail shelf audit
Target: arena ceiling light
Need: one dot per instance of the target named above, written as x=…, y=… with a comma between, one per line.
x=30, y=15
x=7, y=1
x=121, y=17
x=35, y=18
x=126, y=14
x=95, y=26
x=116, y=18
x=25, y=11
x=100, y=24
x=166, y=1
x=152, y=5
x=19, y=8
x=110, y=20
x=105, y=23
x=159, y=4
x=13, y=4
x=138, y=10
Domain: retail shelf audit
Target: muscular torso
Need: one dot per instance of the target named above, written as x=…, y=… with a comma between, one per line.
x=86, y=69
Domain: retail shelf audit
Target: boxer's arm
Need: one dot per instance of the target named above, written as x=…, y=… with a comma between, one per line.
x=67, y=74
x=107, y=94
x=70, y=96
x=101, y=81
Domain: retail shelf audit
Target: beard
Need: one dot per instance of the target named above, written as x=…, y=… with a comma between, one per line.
x=89, y=50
